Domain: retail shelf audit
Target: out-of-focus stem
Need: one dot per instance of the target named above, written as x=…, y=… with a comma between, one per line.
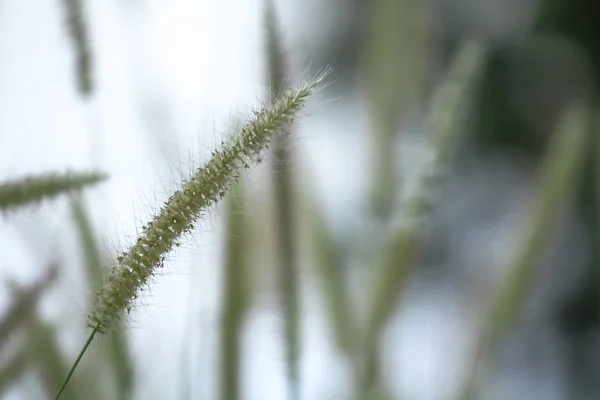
x=78, y=33
x=404, y=242
x=23, y=306
x=235, y=294
x=284, y=210
x=115, y=344
x=395, y=70
x=559, y=172
x=329, y=264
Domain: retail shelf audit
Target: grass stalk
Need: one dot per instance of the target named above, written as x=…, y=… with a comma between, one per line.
x=445, y=113
x=285, y=228
x=23, y=306
x=403, y=245
x=15, y=366
x=78, y=33
x=329, y=264
x=115, y=345
x=235, y=294
x=395, y=64
x=87, y=343
x=560, y=170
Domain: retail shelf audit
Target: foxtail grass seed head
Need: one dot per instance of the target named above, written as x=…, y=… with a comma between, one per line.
x=78, y=33
x=33, y=189
x=176, y=217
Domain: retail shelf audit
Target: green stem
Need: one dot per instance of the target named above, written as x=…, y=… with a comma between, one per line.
x=235, y=294
x=403, y=245
x=562, y=165
x=283, y=186
x=76, y=363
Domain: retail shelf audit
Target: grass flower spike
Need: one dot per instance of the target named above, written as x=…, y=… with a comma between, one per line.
x=205, y=188
x=33, y=189
x=177, y=216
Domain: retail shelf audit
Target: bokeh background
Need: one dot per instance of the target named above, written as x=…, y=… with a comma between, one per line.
x=143, y=90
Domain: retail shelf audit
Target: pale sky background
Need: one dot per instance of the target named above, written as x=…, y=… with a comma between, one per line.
x=166, y=75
